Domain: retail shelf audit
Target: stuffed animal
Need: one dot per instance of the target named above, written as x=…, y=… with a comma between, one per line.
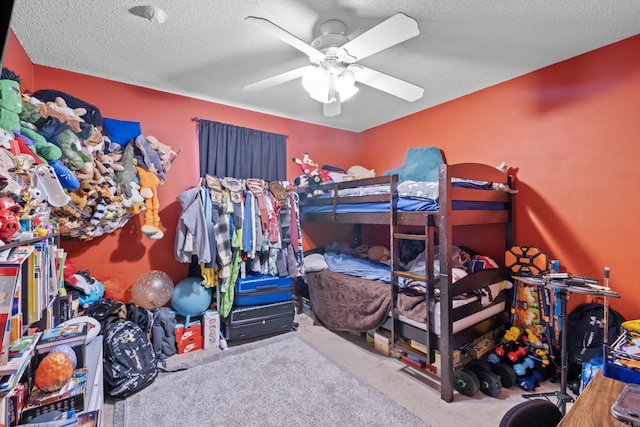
x=7, y=163
x=88, y=171
x=73, y=156
x=94, y=143
x=107, y=164
x=148, y=158
x=68, y=179
x=135, y=203
x=10, y=105
x=311, y=168
x=65, y=114
x=125, y=177
x=166, y=154
x=379, y=253
x=314, y=183
x=38, y=144
x=88, y=191
x=149, y=190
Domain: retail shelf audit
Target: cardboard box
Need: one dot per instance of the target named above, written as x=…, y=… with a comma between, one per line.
x=211, y=329
x=187, y=333
x=192, y=344
x=419, y=346
x=480, y=348
x=382, y=342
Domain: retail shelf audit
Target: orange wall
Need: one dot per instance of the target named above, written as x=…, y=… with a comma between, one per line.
x=125, y=254
x=571, y=132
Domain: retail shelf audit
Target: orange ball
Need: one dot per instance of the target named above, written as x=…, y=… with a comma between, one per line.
x=53, y=372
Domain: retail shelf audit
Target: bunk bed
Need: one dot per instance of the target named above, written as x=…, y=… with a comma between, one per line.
x=446, y=316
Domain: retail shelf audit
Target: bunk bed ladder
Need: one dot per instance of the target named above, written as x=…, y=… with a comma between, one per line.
x=396, y=238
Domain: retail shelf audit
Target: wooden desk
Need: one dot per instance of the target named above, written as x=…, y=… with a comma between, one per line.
x=593, y=406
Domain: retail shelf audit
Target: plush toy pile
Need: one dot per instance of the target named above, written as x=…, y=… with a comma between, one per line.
x=313, y=176
x=60, y=158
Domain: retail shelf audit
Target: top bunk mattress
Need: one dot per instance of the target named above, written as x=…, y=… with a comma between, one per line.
x=372, y=195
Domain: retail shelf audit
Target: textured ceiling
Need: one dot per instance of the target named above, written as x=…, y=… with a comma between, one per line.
x=207, y=50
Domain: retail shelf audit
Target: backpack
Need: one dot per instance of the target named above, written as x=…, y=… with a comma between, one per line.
x=105, y=310
x=130, y=363
x=585, y=331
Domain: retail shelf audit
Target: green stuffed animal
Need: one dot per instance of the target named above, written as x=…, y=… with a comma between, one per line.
x=72, y=155
x=10, y=105
x=29, y=119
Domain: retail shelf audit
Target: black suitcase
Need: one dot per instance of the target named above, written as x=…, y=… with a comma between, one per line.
x=257, y=320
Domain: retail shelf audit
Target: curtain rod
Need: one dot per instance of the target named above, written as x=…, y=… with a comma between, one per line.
x=197, y=119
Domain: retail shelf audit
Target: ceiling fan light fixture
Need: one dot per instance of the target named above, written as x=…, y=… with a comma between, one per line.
x=322, y=86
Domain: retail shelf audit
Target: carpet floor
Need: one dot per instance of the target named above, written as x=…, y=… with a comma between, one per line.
x=275, y=381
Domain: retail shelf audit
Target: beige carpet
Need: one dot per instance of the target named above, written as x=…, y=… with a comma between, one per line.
x=352, y=353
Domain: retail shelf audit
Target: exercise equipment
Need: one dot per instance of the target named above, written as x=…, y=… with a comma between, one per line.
x=190, y=298
x=505, y=372
x=490, y=383
x=466, y=382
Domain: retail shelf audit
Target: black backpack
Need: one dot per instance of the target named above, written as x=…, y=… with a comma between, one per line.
x=130, y=363
x=585, y=331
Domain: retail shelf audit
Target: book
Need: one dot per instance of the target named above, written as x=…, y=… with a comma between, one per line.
x=8, y=279
x=22, y=344
x=16, y=362
x=8, y=382
x=69, y=334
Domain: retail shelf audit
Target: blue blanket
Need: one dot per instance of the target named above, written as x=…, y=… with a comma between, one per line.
x=367, y=269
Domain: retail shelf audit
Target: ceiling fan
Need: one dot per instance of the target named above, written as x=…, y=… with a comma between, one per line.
x=333, y=72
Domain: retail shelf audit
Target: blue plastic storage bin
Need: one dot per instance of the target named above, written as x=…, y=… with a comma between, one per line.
x=262, y=289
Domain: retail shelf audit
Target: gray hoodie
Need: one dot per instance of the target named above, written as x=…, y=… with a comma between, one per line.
x=192, y=237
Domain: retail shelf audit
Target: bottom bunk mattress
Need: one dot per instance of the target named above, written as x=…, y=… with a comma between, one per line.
x=413, y=308
x=347, y=303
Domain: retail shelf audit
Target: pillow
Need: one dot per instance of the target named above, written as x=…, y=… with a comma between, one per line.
x=121, y=131
x=315, y=262
x=421, y=164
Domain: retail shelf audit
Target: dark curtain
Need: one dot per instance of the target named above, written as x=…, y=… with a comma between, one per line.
x=227, y=150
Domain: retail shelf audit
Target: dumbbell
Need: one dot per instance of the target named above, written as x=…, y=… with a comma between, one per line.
x=506, y=373
x=531, y=381
x=521, y=368
x=490, y=383
x=515, y=355
x=466, y=382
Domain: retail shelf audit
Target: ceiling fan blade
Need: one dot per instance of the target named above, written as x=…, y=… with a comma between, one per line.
x=394, y=30
x=278, y=79
x=278, y=32
x=386, y=83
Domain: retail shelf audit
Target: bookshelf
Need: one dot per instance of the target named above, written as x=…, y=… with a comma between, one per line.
x=30, y=279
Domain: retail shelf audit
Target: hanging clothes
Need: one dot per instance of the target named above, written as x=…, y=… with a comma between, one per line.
x=192, y=237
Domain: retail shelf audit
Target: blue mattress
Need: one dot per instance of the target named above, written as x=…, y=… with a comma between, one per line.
x=404, y=205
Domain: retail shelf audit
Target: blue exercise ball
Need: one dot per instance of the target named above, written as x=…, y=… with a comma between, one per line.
x=190, y=297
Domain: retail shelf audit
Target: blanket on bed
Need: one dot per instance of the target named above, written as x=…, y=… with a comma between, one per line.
x=363, y=308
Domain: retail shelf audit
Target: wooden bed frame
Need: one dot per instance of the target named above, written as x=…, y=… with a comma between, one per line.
x=437, y=226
